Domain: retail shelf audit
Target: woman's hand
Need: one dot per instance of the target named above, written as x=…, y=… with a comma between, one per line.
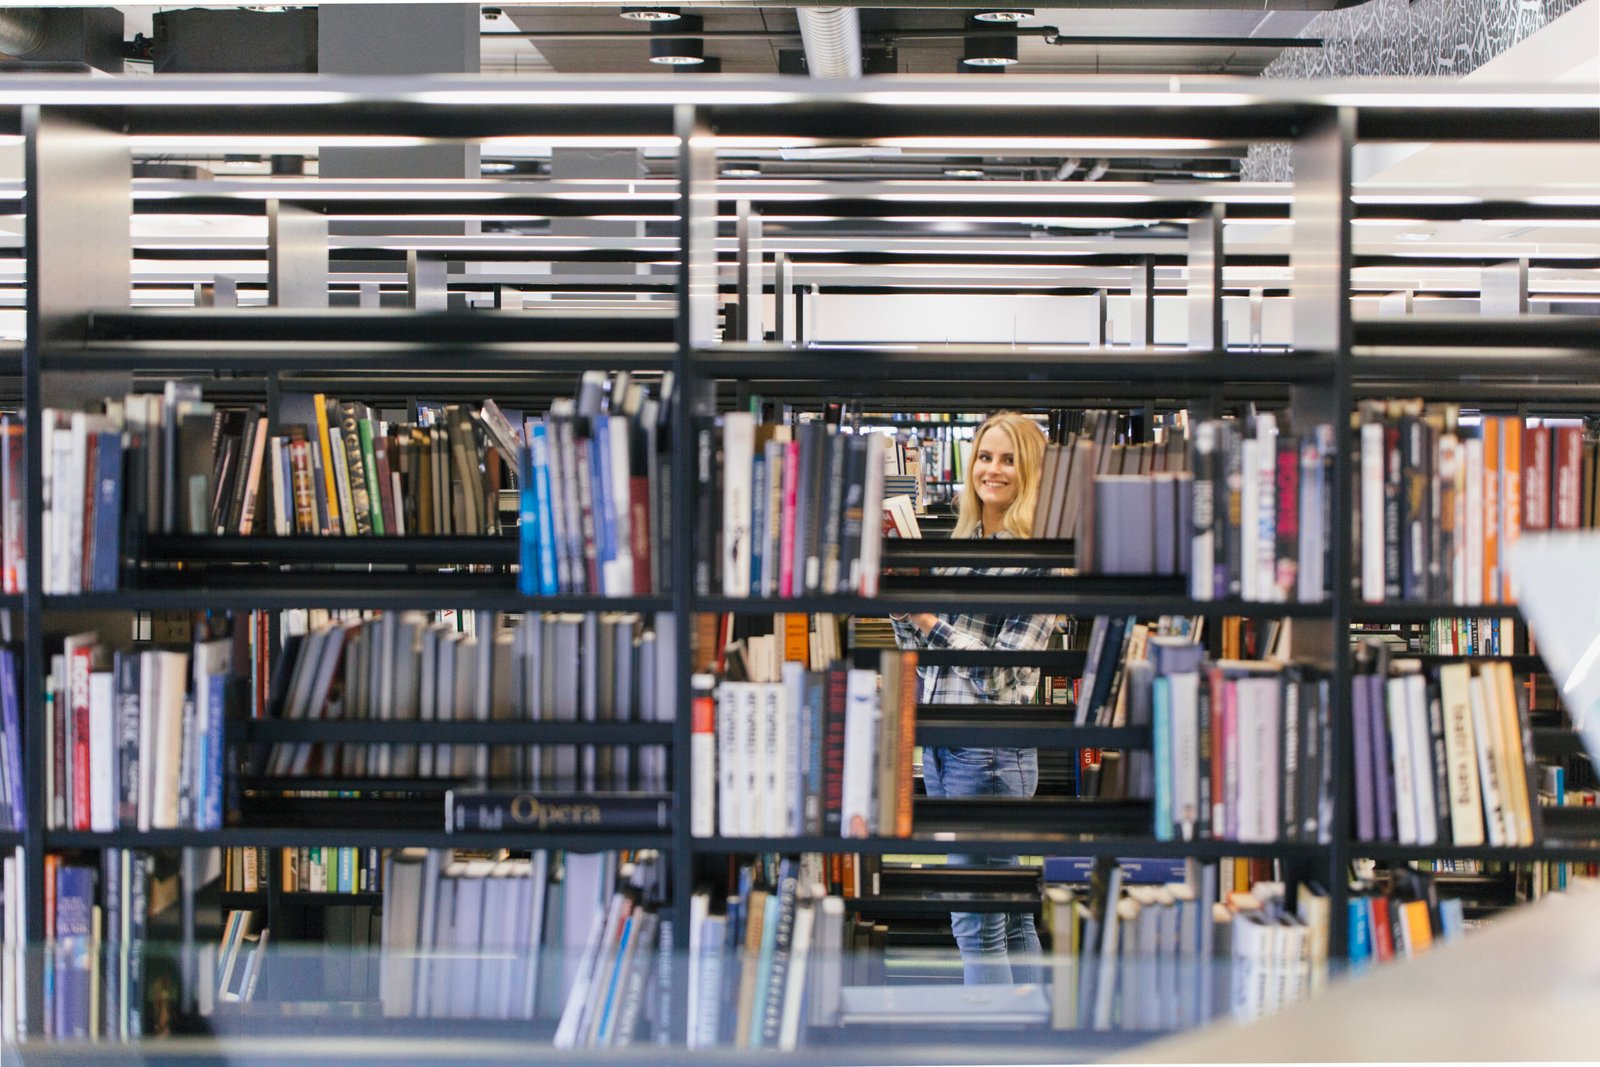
x=924, y=621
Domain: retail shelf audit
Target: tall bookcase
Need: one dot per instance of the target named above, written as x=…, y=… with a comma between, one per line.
x=84, y=340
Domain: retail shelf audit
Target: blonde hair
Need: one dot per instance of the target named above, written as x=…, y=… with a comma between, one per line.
x=1027, y=443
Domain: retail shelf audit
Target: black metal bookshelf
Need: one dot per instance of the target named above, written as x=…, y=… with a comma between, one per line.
x=77, y=324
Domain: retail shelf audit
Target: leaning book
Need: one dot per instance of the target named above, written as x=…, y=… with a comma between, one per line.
x=471, y=811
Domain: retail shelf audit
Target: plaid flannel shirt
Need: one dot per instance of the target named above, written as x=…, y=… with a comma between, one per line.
x=980, y=685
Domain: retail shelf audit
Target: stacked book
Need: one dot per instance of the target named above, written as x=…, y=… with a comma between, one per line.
x=135, y=739
x=1443, y=498
x=1401, y=923
x=550, y=935
x=98, y=978
x=765, y=958
x=1262, y=511
x=779, y=751
x=404, y=666
x=241, y=957
x=1441, y=754
x=306, y=869
x=596, y=491
x=787, y=511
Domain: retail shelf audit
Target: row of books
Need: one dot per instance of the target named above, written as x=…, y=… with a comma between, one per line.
x=404, y=666
x=240, y=959
x=98, y=979
x=764, y=958
x=1470, y=637
x=784, y=751
x=1096, y=479
x=303, y=869
x=1402, y=922
x=1276, y=956
x=570, y=936
x=136, y=738
x=784, y=511
x=1442, y=500
x=1240, y=750
x=1441, y=754
x=1262, y=511
x=596, y=490
x=1560, y=787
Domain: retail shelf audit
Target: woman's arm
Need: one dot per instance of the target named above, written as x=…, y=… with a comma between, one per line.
x=906, y=632
x=1015, y=633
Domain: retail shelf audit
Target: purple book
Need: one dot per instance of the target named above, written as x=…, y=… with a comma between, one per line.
x=1382, y=770
x=1360, y=711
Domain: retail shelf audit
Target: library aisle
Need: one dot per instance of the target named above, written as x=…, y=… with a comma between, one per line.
x=907, y=570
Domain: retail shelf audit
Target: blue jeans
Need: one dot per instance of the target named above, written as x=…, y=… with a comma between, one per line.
x=987, y=940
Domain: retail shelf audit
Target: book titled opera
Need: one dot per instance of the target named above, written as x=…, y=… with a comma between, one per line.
x=470, y=810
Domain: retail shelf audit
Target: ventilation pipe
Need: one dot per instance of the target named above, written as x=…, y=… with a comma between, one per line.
x=21, y=30
x=832, y=37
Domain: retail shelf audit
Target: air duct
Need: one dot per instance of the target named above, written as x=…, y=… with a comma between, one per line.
x=22, y=31
x=832, y=37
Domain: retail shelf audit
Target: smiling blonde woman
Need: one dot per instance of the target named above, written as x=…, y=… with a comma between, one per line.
x=998, y=500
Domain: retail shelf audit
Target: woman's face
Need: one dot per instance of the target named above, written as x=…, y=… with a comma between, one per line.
x=994, y=469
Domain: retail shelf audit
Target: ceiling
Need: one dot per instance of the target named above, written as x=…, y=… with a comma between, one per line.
x=1171, y=42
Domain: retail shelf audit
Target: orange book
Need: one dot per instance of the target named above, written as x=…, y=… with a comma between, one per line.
x=1417, y=931
x=906, y=742
x=1491, y=511
x=1511, y=432
x=796, y=638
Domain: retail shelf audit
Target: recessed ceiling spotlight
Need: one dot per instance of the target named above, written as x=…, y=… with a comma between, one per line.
x=963, y=172
x=1213, y=175
x=497, y=166
x=741, y=172
x=1014, y=15
x=995, y=51
x=651, y=14
x=1414, y=235
x=677, y=51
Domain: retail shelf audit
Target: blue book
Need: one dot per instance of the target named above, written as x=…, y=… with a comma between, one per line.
x=211, y=771
x=347, y=870
x=1161, y=742
x=543, y=525
x=10, y=739
x=107, y=551
x=758, y=520
x=1160, y=871
x=74, y=917
x=605, y=505
x=527, y=531
x=1360, y=924
x=1452, y=920
x=604, y=1027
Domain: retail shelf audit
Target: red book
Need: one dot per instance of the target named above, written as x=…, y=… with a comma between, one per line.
x=80, y=656
x=1382, y=931
x=380, y=460
x=833, y=751
x=1568, y=478
x=1535, y=478
x=639, y=532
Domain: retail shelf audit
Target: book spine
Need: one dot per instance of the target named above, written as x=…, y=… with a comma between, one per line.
x=378, y=509
x=356, y=466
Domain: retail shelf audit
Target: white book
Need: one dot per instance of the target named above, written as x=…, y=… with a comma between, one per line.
x=1184, y=699
x=794, y=749
x=149, y=699
x=1249, y=518
x=799, y=964
x=779, y=761
x=1372, y=512
x=1461, y=755
x=567, y=1029
x=1202, y=551
x=73, y=482
x=871, y=511
x=699, y=909
x=1254, y=953
x=174, y=669
x=703, y=762
x=1267, y=508
x=738, y=455
x=1472, y=505
x=1401, y=756
x=1421, y=759
x=102, y=753
x=860, y=755
x=1489, y=771
x=747, y=725
x=1258, y=715
x=729, y=761
x=1106, y=978
x=618, y=575
x=1500, y=691
x=282, y=499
